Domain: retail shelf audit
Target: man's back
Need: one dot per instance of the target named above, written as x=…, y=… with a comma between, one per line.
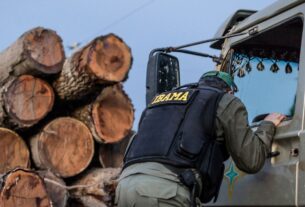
x=223, y=124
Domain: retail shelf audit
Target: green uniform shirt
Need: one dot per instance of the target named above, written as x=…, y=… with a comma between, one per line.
x=248, y=148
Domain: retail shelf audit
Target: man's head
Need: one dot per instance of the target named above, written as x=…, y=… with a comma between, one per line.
x=220, y=80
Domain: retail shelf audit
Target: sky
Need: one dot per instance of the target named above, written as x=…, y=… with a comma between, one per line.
x=143, y=25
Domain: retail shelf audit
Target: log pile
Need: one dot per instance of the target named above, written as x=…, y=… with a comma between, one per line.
x=64, y=122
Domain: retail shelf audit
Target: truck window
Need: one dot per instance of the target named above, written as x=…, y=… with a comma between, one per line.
x=265, y=69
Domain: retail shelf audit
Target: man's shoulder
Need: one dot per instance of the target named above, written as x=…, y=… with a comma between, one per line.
x=229, y=101
x=229, y=98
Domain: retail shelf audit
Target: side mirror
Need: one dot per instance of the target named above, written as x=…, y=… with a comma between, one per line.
x=163, y=74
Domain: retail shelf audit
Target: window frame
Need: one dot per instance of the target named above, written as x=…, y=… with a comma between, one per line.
x=266, y=70
x=293, y=126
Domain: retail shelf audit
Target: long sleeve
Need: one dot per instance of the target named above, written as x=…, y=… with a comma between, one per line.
x=248, y=149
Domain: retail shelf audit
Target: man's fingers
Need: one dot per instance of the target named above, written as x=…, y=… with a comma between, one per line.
x=281, y=117
x=276, y=118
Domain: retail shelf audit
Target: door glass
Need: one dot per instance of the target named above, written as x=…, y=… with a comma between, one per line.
x=265, y=69
x=266, y=85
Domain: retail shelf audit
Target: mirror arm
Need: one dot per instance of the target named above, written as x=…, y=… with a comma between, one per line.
x=178, y=48
x=158, y=50
x=208, y=40
x=215, y=59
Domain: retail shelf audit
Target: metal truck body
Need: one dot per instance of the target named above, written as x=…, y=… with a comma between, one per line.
x=274, y=38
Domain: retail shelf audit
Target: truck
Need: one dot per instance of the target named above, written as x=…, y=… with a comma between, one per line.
x=265, y=53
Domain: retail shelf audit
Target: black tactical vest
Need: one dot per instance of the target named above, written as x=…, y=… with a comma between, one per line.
x=178, y=129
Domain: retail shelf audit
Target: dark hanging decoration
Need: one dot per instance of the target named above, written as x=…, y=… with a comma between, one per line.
x=294, y=56
x=260, y=66
x=248, y=67
x=288, y=68
x=241, y=73
x=274, y=68
x=262, y=53
x=237, y=59
x=284, y=56
x=273, y=54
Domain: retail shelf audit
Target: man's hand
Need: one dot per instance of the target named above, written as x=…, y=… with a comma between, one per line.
x=275, y=118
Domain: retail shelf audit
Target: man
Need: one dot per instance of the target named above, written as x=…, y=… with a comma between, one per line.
x=184, y=137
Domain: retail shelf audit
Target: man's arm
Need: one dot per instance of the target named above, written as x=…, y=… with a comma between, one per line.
x=248, y=149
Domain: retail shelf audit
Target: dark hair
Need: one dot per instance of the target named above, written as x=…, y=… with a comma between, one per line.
x=214, y=81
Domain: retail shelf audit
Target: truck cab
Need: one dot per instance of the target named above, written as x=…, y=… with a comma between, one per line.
x=268, y=65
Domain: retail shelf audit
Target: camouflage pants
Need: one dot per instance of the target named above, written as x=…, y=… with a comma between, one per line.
x=142, y=190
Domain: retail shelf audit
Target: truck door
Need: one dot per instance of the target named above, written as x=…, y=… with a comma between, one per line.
x=269, y=69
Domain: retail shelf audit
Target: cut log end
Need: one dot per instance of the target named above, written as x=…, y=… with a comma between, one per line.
x=112, y=114
x=14, y=152
x=28, y=100
x=105, y=60
x=66, y=146
x=110, y=58
x=45, y=48
x=23, y=188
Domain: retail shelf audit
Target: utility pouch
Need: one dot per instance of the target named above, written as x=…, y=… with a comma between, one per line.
x=190, y=149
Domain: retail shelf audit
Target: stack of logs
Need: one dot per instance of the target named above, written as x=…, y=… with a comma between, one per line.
x=64, y=123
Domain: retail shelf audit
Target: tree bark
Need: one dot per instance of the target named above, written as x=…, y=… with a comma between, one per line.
x=76, y=203
x=38, y=51
x=55, y=188
x=100, y=190
x=107, y=59
x=14, y=151
x=23, y=188
x=65, y=146
x=112, y=155
x=25, y=100
x=110, y=117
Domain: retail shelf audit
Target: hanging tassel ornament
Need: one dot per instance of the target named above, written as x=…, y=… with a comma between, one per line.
x=274, y=68
x=260, y=66
x=241, y=73
x=288, y=68
x=248, y=67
